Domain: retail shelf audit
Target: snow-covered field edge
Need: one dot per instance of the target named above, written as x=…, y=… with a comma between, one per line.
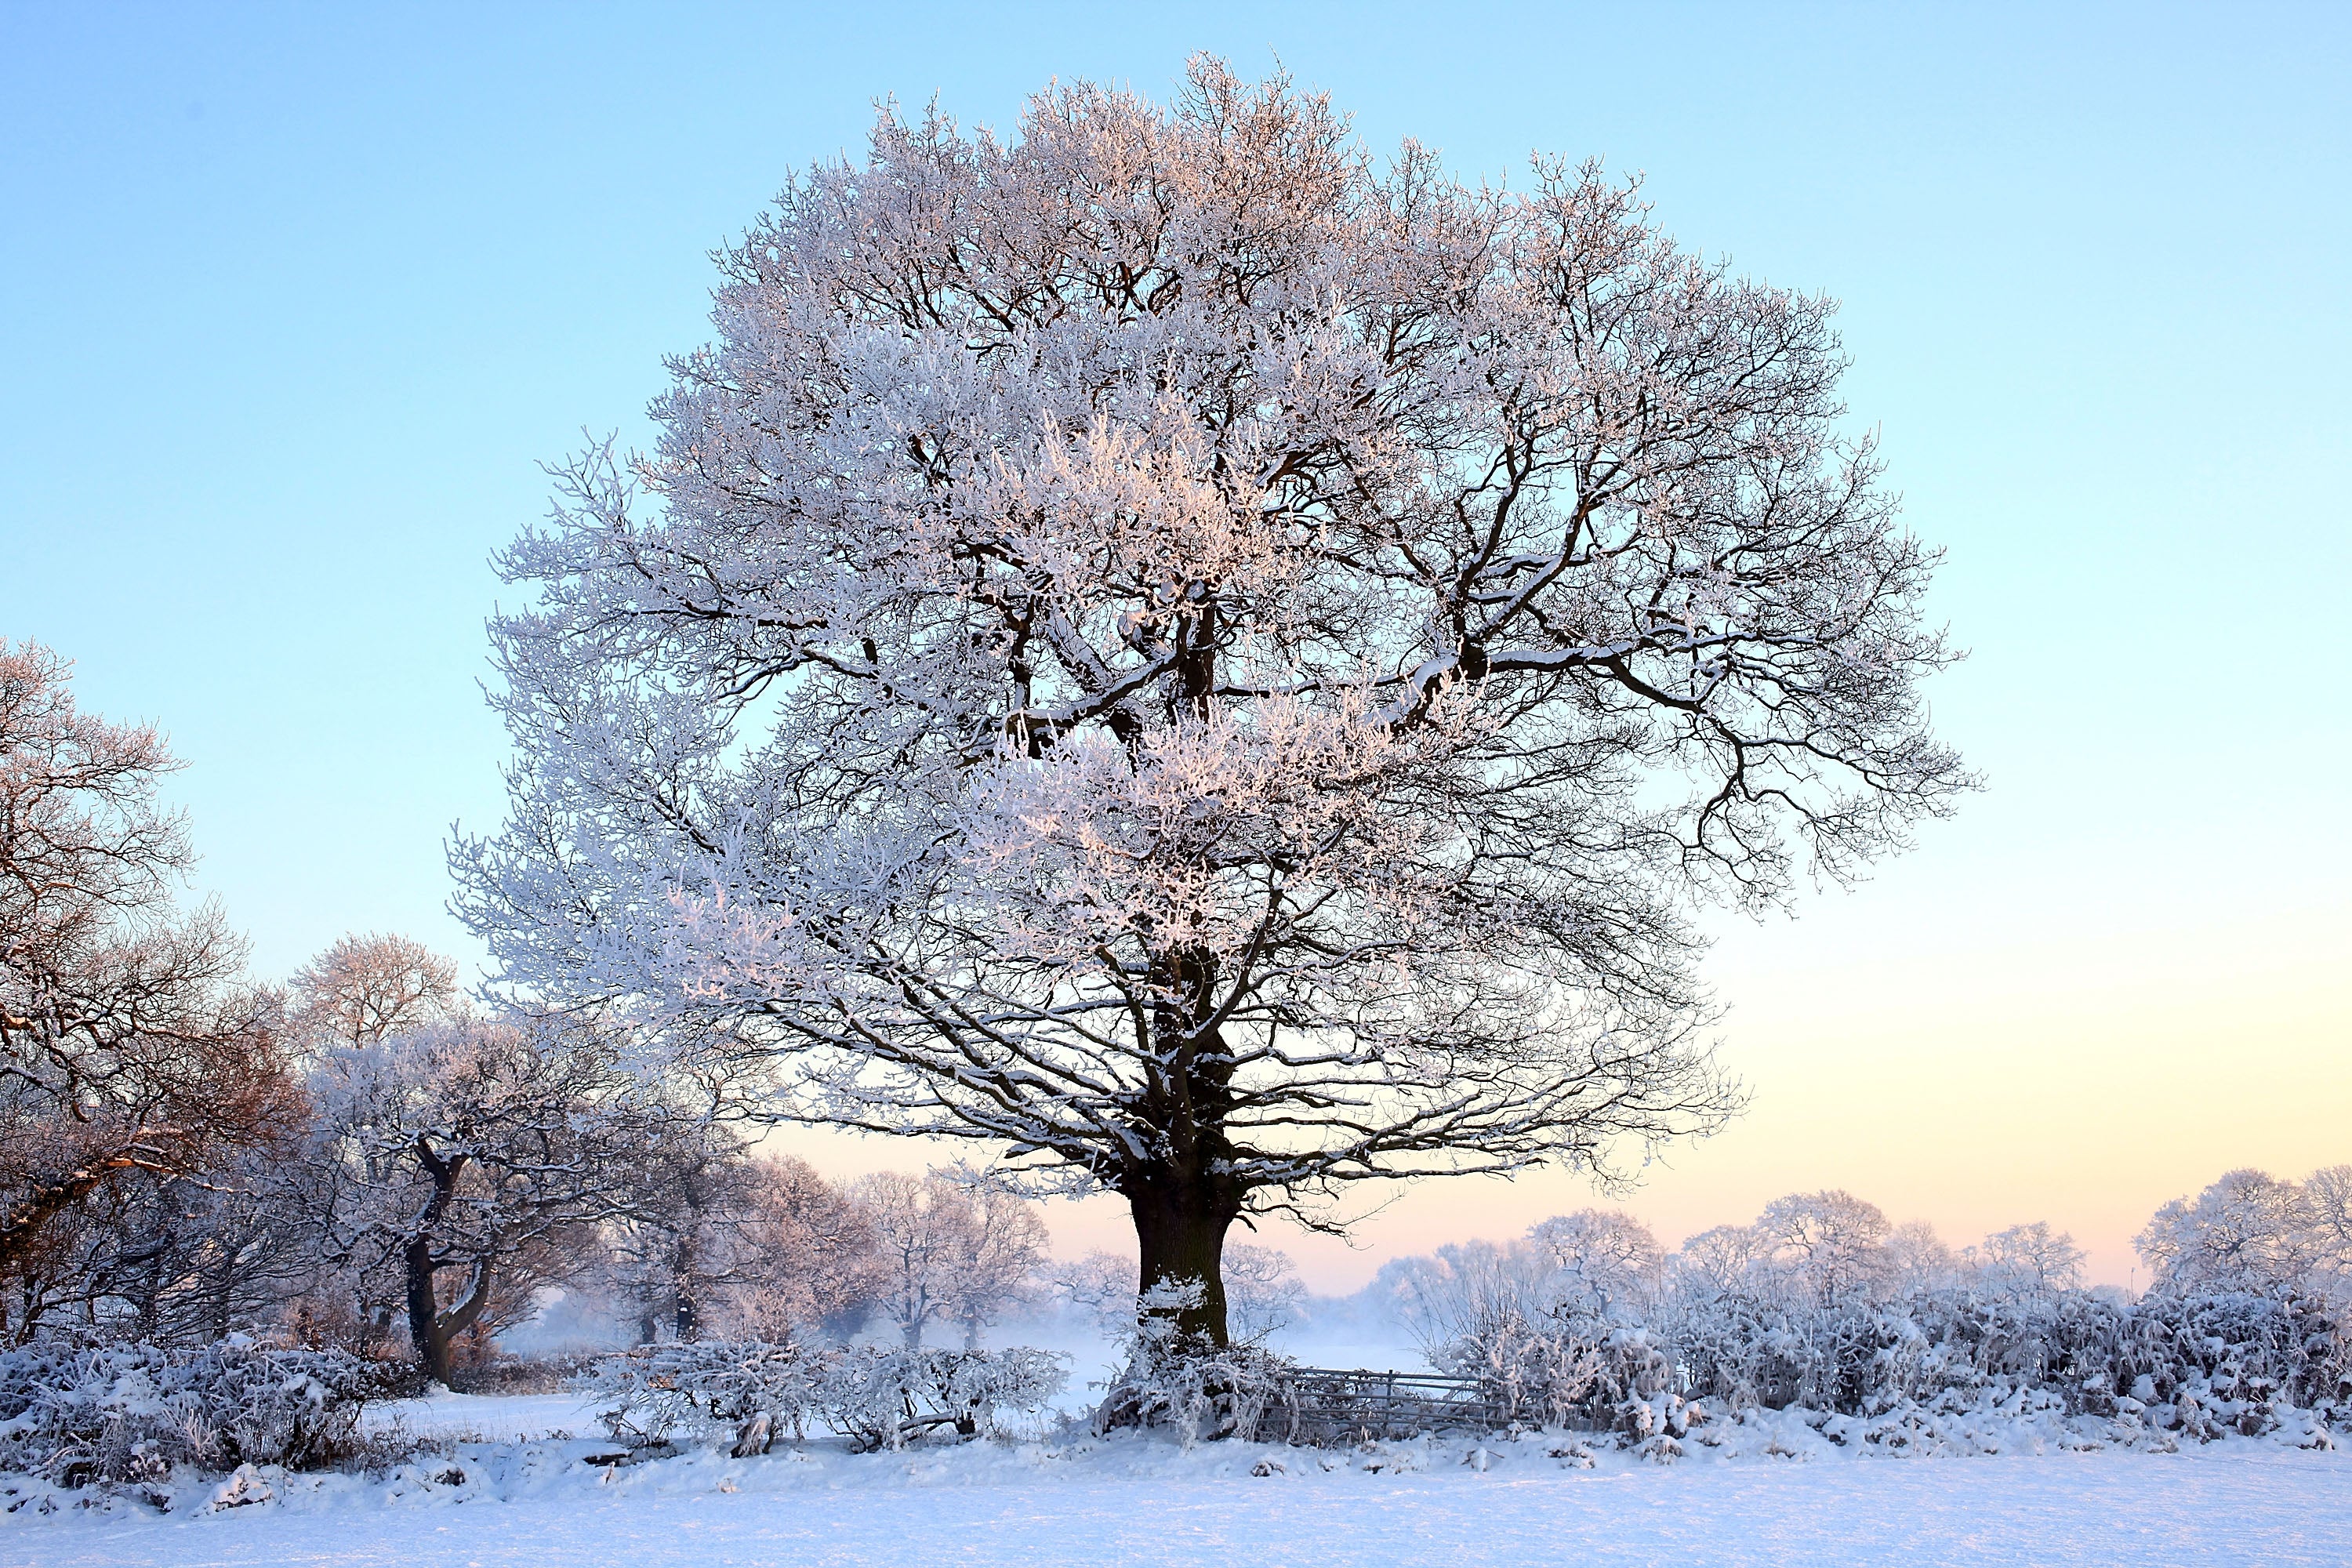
x=456, y=1450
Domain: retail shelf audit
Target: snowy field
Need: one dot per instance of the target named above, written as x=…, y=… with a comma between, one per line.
x=521, y=1499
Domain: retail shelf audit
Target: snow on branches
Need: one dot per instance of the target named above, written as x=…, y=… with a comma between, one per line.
x=757, y=1391
x=1206, y=662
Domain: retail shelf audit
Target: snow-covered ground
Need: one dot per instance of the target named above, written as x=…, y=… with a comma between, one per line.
x=522, y=1500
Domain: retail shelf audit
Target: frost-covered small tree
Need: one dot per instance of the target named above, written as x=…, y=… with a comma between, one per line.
x=2031, y=1258
x=714, y=1239
x=364, y=988
x=679, y=1244
x=1606, y=1260
x=920, y=1225
x=1209, y=664
x=1916, y=1259
x=2327, y=1212
x=809, y=1261
x=2249, y=1231
x=1830, y=1243
x=1720, y=1260
x=998, y=1268
x=1263, y=1291
x=1098, y=1290
x=466, y=1162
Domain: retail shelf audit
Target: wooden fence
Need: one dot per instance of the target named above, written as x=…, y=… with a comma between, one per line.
x=1333, y=1405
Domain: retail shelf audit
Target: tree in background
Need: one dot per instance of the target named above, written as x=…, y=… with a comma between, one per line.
x=813, y=1260
x=1605, y=1257
x=2252, y=1231
x=717, y=1239
x=995, y=1270
x=133, y=1058
x=1830, y=1244
x=2030, y=1256
x=1207, y=665
x=677, y=1244
x=950, y=1251
x=1263, y=1291
x=466, y=1163
x=365, y=988
x=1916, y=1259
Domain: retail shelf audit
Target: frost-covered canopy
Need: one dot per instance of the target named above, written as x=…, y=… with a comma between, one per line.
x=1207, y=658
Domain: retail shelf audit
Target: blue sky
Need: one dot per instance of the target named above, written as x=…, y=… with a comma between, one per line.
x=293, y=302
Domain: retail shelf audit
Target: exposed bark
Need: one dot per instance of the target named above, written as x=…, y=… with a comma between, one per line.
x=1179, y=1227
x=432, y=1330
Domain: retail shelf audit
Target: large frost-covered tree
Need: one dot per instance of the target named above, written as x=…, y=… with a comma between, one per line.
x=1209, y=661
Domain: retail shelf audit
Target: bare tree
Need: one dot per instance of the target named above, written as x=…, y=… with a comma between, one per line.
x=1606, y=1258
x=1916, y=1259
x=1720, y=1260
x=131, y=1051
x=1263, y=1291
x=2327, y=1215
x=1004, y=1249
x=2250, y=1230
x=951, y=1250
x=1209, y=664
x=678, y=1245
x=813, y=1258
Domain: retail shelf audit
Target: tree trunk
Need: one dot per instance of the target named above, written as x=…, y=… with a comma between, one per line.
x=432, y=1347
x=1180, y=1229
x=431, y=1331
x=1182, y=1202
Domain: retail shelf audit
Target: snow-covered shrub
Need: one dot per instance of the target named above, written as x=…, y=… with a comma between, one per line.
x=2001, y=1341
x=1200, y=1389
x=1576, y=1370
x=133, y=1412
x=699, y=1388
x=2197, y=1364
x=881, y=1397
x=756, y=1391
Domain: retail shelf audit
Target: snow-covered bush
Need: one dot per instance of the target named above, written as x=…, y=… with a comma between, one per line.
x=133, y=1412
x=755, y=1392
x=881, y=1397
x=1822, y=1306
x=1200, y=1389
x=2197, y=1366
x=753, y=1387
